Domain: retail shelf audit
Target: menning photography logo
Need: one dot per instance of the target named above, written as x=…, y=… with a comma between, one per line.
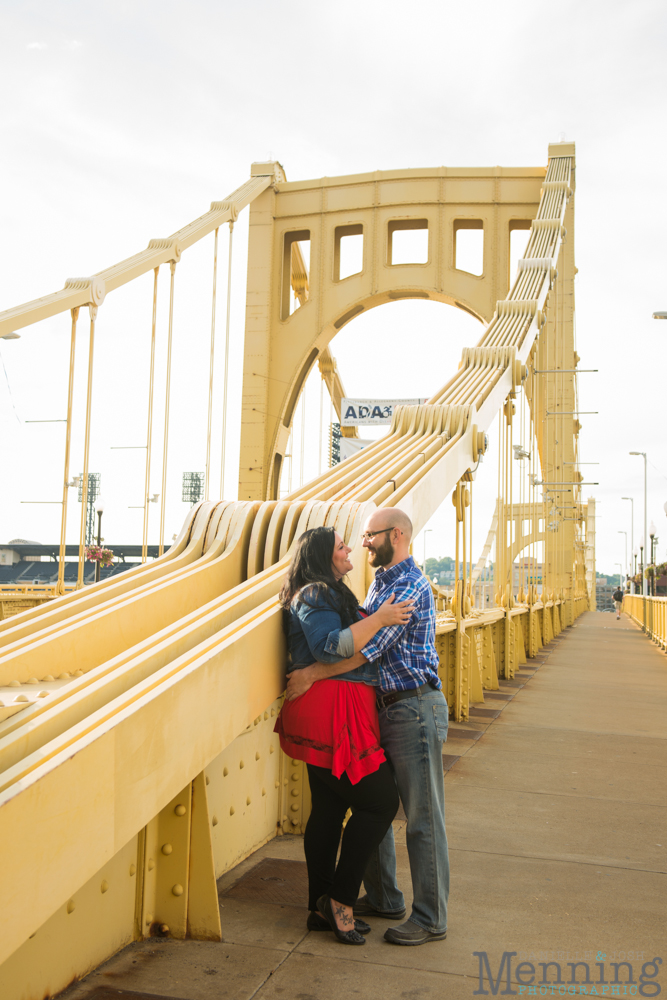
x=600, y=977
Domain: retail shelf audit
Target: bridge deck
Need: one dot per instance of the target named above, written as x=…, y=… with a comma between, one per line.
x=557, y=823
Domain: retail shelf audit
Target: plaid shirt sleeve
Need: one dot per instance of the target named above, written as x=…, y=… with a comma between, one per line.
x=406, y=654
x=390, y=635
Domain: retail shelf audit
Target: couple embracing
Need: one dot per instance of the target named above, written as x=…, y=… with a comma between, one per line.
x=366, y=712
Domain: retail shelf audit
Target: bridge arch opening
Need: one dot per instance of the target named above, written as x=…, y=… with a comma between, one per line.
x=407, y=351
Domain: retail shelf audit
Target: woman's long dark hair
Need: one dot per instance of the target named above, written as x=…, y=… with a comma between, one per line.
x=310, y=572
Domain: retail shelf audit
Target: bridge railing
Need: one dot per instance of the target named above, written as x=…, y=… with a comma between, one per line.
x=650, y=613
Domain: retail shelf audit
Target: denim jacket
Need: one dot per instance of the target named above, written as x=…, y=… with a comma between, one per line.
x=316, y=634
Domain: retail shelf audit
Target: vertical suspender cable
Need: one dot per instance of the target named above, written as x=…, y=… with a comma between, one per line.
x=86, y=449
x=319, y=459
x=303, y=435
x=149, y=432
x=331, y=416
x=207, y=480
x=226, y=375
x=60, y=586
x=165, y=445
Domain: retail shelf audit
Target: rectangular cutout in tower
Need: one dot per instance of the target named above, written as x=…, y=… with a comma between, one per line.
x=407, y=241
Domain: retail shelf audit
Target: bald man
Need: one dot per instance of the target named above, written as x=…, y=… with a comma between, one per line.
x=413, y=725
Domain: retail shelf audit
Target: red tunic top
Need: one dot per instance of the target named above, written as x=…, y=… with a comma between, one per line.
x=333, y=725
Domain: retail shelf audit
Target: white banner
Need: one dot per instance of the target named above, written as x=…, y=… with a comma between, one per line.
x=371, y=412
x=351, y=446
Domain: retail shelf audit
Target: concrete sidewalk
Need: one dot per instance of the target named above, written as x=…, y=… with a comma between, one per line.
x=557, y=824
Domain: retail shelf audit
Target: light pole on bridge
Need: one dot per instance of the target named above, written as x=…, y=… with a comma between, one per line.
x=99, y=507
x=644, y=580
x=632, y=537
x=626, y=549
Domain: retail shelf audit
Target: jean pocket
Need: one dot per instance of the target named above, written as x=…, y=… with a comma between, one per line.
x=406, y=710
x=441, y=717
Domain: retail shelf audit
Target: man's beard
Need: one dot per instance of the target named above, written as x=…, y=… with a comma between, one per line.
x=381, y=555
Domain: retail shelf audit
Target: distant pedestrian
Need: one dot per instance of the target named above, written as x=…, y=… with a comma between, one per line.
x=617, y=597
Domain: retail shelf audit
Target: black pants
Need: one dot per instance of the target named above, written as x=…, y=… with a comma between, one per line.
x=375, y=803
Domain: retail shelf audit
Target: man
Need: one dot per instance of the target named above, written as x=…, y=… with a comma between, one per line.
x=413, y=725
x=617, y=598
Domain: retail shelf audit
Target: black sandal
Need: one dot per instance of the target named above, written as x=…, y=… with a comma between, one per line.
x=316, y=922
x=345, y=937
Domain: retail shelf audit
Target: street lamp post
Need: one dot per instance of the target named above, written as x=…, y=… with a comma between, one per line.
x=99, y=507
x=626, y=549
x=620, y=575
x=644, y=580
x=652, y=533
x=632, y=533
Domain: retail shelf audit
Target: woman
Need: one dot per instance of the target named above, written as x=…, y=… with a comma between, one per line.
x=334, y=728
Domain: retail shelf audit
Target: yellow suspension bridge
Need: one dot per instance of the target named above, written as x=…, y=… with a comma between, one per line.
x=138, y=762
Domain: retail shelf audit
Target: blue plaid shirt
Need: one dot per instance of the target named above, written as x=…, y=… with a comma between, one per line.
x=407, y=652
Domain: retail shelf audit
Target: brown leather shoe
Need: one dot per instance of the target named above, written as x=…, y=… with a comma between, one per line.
x=411, y=934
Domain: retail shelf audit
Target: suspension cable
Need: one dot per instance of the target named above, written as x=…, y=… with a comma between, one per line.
x=226, y=375
x=60, y=585
x=86, y=448
x=149, y=431
x=165, y=446
x=207, y=479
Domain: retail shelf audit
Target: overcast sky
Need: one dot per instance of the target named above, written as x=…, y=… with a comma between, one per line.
x=122, y=121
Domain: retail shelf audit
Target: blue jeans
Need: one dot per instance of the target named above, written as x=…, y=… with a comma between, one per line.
x=412, y=732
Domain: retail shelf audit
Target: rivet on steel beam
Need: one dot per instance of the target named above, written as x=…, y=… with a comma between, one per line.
x=277, y=784
x=295, y=777
x=225, y=772
x=257, y=755
x=266, y=715
x=104, y=886
x=255, y=721
x=284, y=781
x=133, y=870
x=180, y=810
x=151, y=864
x=295, y=792
x=149, y=918
x=232, y=810
x=214, y=821
x=14, y=684
x=64, y=676
x=164, y=928
x=78, y=673
x=43, y=694
x=32, y=680
x=241, y=764
x=273, y=712
x=208, y=780
x=22, y=697
x=271, y=749
x=248, y=801
x=48, y=678
x=167, y=848
x=177, y=889
x=70, y=906
x=295, y=763
x=285, y=818
x=294, y=807
x=264, y=791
